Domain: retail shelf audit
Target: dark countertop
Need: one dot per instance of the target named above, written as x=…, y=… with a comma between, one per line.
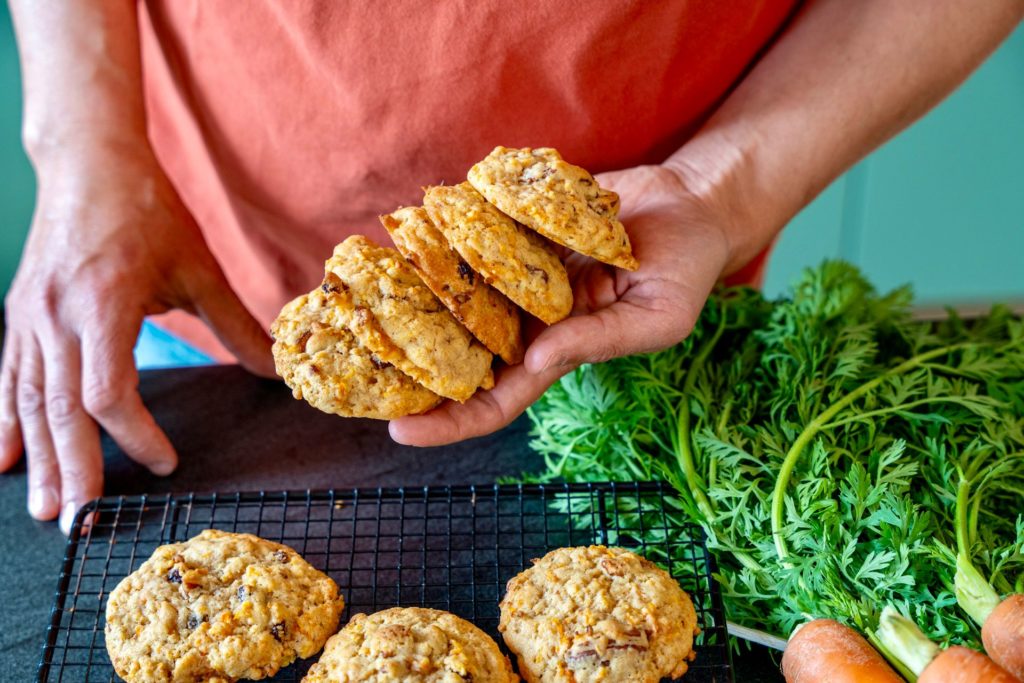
x=236, y=432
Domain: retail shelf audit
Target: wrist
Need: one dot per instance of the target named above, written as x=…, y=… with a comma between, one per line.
x=721, y=171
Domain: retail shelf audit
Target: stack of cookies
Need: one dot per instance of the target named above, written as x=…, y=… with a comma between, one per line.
x=394, y=332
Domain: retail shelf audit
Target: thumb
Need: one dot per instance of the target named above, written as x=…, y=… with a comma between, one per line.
x=221, y=309
x=621, y=329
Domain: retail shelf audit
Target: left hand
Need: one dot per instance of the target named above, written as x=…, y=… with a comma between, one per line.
x=681, y=242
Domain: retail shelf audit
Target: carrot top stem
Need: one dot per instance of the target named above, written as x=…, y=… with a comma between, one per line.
x=902, y=639
x=974, y=594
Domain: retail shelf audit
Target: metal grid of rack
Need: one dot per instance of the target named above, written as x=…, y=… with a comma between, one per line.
x=450, y=548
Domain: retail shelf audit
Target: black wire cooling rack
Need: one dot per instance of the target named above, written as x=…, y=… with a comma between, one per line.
x=450, y=548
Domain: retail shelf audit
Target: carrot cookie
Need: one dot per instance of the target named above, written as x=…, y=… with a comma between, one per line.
x=323, y=363
x=482, y=309
x=217, y=608
x=411, y=644
x=517, y=262
x=597, y=614
x=399, y=319
x=560, y=201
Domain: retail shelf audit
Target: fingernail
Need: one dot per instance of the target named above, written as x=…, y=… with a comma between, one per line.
x=41, y=499
x=163, y=468
x=67, y=516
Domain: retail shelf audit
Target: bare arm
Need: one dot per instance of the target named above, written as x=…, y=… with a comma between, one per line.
x=110, y=243
x=844, y=77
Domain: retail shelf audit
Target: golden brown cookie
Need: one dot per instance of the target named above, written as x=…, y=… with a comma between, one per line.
x=485, y=311
x=216, y=608
x=322, y=361
x=411, y=644
x=560, y=201
x=597, y=614
x=400, y=320
x=517, y=262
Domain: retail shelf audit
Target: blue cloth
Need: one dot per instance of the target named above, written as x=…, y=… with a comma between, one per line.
x=158, y=349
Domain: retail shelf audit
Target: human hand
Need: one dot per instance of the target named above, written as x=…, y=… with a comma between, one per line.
x=111, y=243
x=682, y=243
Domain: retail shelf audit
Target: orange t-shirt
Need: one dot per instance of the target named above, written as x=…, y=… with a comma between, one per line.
x=287, y=126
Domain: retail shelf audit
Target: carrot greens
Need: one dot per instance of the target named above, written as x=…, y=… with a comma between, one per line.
x=819, y=439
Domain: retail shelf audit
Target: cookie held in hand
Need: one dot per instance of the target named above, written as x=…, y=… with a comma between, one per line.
x=515, y=261
x=399, y=320
x=560, y=201
x=485, y=311
x=322, y=362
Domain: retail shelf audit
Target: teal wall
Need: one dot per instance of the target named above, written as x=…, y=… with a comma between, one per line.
x=941, y=206
x=17, y=183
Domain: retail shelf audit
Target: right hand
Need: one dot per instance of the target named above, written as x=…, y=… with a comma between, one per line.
x=111, y=242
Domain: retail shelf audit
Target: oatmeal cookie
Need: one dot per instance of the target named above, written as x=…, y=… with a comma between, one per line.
x=517, y=262
x=560, y=201
x=411, y=644
x=322, y=361
x=217, y=608
x=597, y=614
x=485, y=311
x=399, y=319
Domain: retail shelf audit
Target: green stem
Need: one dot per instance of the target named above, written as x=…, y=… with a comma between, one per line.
x=974, y=594
x=903, y=643
x=891, y=409
x=684, y=446
x=812, y=429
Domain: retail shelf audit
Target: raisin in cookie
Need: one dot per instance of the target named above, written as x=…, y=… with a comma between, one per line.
x=217, y=608
x=399, y=319
x=411, y=644
x=323, y=363
x=482, y=309
x=597, y=614
x=560, y=201
x=517, y=262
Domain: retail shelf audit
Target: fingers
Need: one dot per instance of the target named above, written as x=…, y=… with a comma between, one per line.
x=43, y=472
x=110, y=395
x=218, y=305
x=488, y=411
x=75, y=437
x=10, y=431
x=621, y=329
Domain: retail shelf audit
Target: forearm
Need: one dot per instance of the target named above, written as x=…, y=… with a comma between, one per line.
x=842, y=79
x=82, y=78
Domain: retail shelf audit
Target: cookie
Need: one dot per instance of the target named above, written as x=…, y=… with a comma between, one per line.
x=322, y=361
x=217, y=608
x=485, y=311
x=514, y=260
x=399, y=319
x=560, y=201
x=597, y=614
x=411, y=644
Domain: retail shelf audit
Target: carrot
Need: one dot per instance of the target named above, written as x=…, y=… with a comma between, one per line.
x=1003, y=635
x=825, y=650
x=962, y=665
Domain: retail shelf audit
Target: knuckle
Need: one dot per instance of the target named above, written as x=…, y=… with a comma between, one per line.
x=30, y=400
x=61, y=406
x=103, y=399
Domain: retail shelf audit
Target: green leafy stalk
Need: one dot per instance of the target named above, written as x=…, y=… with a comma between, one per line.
x=973, y=592
x=908, y=648
x=809, y=432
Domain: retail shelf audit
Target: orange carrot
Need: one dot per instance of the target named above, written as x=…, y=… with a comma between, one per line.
x=825, y=650
x=1003, y=635
x=962, y=665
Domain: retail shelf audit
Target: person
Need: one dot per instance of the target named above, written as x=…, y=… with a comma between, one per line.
x=199, y=160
